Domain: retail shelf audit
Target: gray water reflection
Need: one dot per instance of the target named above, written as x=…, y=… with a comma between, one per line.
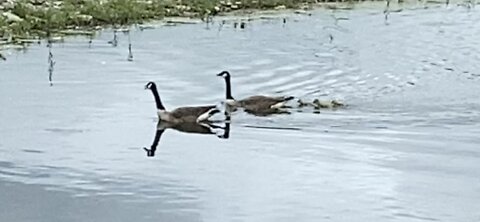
x=222, y=132
x=405, y=149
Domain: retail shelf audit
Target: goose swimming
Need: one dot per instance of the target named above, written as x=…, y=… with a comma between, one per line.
x=181, y=114
x=253, y=103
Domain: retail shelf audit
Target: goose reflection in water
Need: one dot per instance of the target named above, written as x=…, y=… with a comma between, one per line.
x=266, y=112
x=222, y=132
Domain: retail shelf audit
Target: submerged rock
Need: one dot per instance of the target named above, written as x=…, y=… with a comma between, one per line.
x=302, y=12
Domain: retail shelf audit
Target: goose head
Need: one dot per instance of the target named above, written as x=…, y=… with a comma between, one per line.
x=150, y=85
x=224, y=74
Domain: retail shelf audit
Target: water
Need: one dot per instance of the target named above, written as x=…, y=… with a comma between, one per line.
x=404, y=149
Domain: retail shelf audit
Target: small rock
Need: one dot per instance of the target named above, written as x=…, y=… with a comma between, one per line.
x=84, y=18
x=56, y=39
x=190, y=14
x=8, y=5
x=181, y=7
x=58, y=4
x=10, y=17
x=216, y=8
x=143, y=27
x=280, y=7
x=238, y=3
x=234, y=7
x=37, y=2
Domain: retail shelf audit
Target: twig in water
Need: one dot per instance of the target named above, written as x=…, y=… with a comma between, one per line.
x=208, y=20
x=90, y=40
x=51, y=63
x=130, y=55
x=114, y=41
x=386, y=12
x=220, y=25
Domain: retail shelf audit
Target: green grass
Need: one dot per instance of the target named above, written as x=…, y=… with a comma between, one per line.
x=85, y=14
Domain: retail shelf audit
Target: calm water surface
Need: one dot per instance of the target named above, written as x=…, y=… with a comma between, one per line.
x=405, y=149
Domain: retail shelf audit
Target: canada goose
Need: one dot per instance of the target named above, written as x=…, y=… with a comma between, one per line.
x=253, y=103
x=181, y=114
x=187, y=127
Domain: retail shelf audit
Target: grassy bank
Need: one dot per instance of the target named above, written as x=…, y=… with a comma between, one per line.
x=27, y=19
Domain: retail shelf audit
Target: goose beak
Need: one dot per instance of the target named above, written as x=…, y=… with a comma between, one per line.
x=146, y=86
x=220, y=74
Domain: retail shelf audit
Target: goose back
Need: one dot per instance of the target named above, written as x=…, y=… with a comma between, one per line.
x=192, y=113
x=264, y=101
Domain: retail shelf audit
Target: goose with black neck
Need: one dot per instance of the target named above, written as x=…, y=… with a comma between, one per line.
x=181, y=114
x=252, y=103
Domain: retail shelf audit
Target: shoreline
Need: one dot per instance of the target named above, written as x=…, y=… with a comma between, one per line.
x=26, y=19
x=24, y=22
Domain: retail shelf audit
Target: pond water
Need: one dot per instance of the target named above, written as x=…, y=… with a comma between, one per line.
x=406, y=148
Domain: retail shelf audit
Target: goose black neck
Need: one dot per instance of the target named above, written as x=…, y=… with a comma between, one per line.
x=157, y=99
x=229, y=88
x=158, y=134
x=153, y=147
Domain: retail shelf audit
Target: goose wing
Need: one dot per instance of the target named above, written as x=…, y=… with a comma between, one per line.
x=193, y=111
x=264, y=100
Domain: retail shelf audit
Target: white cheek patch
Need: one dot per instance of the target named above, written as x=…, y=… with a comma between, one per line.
x=163, y=114
x=278, y=105
x=230, y=102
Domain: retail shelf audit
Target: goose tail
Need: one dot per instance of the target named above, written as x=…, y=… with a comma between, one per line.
x=288, y=98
